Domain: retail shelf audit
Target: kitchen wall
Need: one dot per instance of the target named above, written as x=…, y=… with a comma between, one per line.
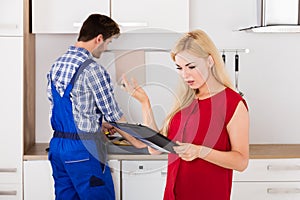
x=268, y=73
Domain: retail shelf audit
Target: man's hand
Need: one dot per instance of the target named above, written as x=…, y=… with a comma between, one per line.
x=108, y=129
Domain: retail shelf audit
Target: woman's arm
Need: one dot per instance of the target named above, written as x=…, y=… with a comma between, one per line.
x=237, y=158
x=140, y=95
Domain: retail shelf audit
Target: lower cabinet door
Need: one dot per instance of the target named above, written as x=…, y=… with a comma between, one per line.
x=116, y=175
x=266, y=191
x=38, y=181
x=10, y=192
x=143, y=180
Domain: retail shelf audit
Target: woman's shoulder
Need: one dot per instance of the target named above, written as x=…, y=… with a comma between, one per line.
x=234, y=98
x=230, y=93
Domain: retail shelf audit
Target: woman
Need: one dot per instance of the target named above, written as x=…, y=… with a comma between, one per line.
x=210, y=123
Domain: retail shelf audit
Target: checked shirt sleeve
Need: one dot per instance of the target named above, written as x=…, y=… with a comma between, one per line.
x=100, y=82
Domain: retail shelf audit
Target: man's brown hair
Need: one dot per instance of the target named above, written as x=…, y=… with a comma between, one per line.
x=97, y=24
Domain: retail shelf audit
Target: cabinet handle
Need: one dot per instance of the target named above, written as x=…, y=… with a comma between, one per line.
x=163, y=173
x=8, y=170
x=283, y=167
x=8, y=26
x=77, y=24
x=133, y=24
x=5, y=193
x=283, y=190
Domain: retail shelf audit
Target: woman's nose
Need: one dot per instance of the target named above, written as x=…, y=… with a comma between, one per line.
x=184, y=73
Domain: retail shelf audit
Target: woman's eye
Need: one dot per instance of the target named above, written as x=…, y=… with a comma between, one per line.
x=179, y=68
x=192, y=67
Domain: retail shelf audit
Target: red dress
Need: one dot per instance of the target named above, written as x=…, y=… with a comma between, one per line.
x=203, y=123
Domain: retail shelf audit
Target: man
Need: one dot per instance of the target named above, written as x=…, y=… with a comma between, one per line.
x=81, y=96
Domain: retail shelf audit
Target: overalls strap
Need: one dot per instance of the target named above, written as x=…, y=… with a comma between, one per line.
x=80, y=69
x=76, y=75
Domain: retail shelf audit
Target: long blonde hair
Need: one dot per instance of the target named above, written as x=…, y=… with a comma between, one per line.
x=198, y=43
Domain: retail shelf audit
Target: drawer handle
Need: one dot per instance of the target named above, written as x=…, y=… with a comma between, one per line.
x=8, y=26
x=283, y=190
x=133, y=24
x=8, y=170
x=77, y=24
x=144, y=172
x=283, y=167
x=6, y=193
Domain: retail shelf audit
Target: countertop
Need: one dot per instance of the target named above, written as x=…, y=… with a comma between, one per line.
x=257, y=151
x=38, y=152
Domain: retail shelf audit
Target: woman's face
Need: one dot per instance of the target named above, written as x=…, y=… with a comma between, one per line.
x=195, y=71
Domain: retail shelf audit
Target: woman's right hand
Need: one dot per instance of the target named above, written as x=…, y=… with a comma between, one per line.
x=134, y=90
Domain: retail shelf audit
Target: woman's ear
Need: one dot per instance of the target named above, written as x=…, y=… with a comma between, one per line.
x=211, y=61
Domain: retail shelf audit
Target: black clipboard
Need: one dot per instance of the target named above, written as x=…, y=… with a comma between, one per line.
x=147, y=135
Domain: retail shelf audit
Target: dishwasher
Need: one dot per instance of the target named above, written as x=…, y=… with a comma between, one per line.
x=143, y=179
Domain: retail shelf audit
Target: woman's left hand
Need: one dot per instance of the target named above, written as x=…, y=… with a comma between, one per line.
x=187, y=151
x=133, y=89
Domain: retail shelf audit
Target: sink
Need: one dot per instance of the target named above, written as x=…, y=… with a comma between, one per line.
x=118, y=146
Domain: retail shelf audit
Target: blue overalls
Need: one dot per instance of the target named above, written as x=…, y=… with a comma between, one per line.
x=75, y=155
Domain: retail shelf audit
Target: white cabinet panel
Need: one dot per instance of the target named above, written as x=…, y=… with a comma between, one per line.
x=115, y=168
x=64, y=16
x=266, y=191
x=164, y=16
x=11, y=18
x=268, y=179
x=143, y=179
x=270, y=170
x=10, y=191
x=38, y=181
x=11, y=87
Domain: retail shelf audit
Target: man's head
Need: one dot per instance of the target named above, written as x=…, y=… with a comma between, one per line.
x=97, y=24
x=98, y=30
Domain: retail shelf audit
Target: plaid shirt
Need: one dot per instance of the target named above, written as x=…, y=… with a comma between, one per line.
x=92, y=95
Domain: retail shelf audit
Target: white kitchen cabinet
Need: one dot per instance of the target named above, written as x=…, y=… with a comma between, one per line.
x=11, y=18
x=151, y=16
x=64, y=16
x=38, y=181
x=268, y=179
x=38, y=174
x=11, y=87
x=143, y=179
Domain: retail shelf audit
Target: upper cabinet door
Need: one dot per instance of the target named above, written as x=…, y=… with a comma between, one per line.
x=64, y=16
x=151, y=15
x=11, y=17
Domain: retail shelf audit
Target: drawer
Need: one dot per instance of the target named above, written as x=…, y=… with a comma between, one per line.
x=270, y=170
x=10, y=191
x=265, y=191
x=10, y=175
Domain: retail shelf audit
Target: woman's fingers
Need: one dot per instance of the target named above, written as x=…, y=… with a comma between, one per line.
x=181, y=148
x=128, y=86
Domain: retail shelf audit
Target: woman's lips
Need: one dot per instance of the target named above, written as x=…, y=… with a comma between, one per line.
x=190, y=82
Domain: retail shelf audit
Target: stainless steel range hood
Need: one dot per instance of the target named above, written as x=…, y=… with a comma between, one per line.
x=278, y=16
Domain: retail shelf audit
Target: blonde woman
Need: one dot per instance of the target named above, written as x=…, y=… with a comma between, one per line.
x=210, y=123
